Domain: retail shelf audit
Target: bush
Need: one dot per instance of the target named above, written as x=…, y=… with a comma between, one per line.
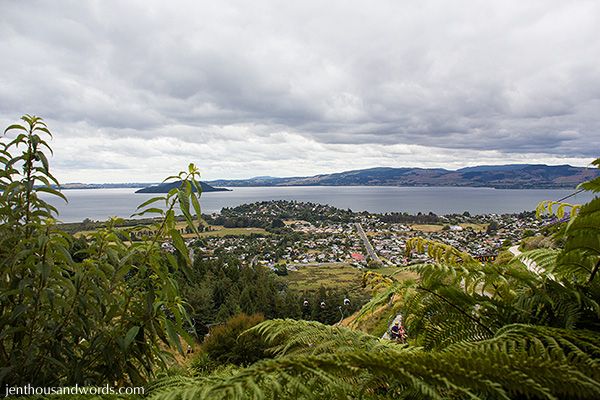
x=277, y=223
x=528, y=233
x=203, y=364
x=504, y=257
x=492, y=227
x=537, y=242
x=227, y=344
x=281, y=269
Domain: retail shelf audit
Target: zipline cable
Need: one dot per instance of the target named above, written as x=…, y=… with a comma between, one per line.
x=571, y=195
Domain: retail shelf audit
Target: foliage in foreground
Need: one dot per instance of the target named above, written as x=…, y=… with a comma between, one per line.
x=82, y=312
x=529, y=328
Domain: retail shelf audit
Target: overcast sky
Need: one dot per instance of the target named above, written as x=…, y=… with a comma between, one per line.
x=135, y=90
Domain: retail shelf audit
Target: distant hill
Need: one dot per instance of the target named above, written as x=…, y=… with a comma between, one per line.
x=165, y=187
x=515, y=176
x=77, y=185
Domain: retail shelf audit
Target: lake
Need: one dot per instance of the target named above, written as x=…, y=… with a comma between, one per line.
x=99, y=204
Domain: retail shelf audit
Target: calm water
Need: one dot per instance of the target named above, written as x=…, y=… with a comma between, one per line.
x=99, y=204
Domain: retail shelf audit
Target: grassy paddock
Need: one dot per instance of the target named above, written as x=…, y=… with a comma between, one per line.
x=475, y=227
x=398, y=273
x=221, y=231
x=330, y=275
x=426, y=227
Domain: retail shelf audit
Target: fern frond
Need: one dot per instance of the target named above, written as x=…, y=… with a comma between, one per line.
x=581, y=254
x=310, y=337
x=447, y=315
x=440, y=252
x=546, y=207
x=519, y=361
x=594, y=184
x=381, y=299
x=376, y=281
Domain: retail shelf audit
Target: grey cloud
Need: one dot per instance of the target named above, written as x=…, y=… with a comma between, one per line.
x=505, y=79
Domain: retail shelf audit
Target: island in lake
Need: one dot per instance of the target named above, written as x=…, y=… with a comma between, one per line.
x=165, y=187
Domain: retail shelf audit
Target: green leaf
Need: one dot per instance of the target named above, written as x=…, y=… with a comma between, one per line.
x=53, y=192
x=44, y=160
x=43, y=129
x=173, y=336
x=149, y=201
x=131, y=334
x=179, y=244
x=197, y=209
x=15, y=126
x=152, y=210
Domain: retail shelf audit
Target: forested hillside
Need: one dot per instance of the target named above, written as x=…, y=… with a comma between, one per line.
x=517, y=176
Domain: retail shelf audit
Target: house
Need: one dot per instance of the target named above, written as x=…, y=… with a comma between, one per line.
x=357, y=257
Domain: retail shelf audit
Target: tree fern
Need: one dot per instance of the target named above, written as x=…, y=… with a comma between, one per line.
x=519, y=360
x=311, y=337
x=581, y=254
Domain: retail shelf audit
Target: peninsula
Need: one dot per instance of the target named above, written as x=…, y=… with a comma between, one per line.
x=514, y=176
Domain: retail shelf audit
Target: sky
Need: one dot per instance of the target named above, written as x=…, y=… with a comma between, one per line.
x=133, y=91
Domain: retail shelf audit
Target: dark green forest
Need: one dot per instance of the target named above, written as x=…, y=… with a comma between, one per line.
x=219, y=289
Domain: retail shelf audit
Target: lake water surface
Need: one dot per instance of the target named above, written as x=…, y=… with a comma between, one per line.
x=99, y=204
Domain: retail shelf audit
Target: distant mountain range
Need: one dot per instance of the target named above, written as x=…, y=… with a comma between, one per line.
x=77, y=185
x=165, y=187
x=514, y=176
x=145, y=187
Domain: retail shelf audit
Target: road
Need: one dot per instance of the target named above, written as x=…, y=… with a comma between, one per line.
x=366, y=242
x=530, y=264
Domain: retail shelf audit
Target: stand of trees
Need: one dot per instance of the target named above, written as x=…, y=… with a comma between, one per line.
x=220, y=288
x=405, y=218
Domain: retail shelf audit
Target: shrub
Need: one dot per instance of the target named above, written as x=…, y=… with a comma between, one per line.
x=537, y=242
x=229, y=343
x=203, y=364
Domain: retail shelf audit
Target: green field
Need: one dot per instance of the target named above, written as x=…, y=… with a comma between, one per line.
x=475, y=227
x=222, y=231
x=331, y=275
x=426, y=227
x=398, y=273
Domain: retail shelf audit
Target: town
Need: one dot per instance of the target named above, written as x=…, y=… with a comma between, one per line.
x=286, y=235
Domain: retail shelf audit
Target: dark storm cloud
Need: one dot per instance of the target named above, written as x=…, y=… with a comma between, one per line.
x=500, y=81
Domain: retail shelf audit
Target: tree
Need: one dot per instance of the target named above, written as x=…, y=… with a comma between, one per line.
x=227, y=343
x=277, y=223
x=492, y=227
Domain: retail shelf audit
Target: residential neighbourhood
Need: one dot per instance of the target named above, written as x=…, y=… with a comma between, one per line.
x=329, y=235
